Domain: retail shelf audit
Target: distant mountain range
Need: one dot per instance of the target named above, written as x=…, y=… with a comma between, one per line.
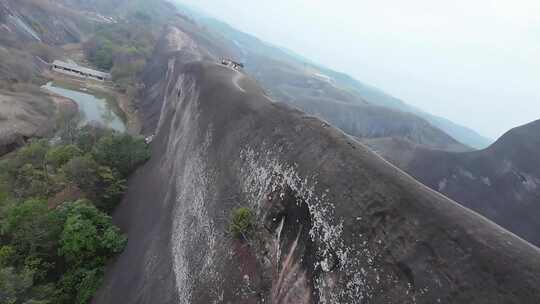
x=419, y=143
x=495, y=181
x=252, y=49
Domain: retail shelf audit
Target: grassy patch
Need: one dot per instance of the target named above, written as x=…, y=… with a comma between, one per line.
x=242, y=223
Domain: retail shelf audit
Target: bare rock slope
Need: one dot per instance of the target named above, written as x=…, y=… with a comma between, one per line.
x=501, y=182
x=336, y=223
x=23, y=116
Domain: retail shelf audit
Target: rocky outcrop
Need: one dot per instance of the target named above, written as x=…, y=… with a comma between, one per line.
x=42, y=21
x=184, y=42
x=501, y=182
x=23, y=116
x=335, y=222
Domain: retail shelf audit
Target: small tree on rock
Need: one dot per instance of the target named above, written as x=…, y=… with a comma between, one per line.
x=242, y=223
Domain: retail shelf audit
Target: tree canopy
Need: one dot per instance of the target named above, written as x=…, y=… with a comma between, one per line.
x=56, y=234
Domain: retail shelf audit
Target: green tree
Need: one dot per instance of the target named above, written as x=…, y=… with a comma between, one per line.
x=121, y=152
x=68, y=122
x=82, y=171
x=111, y=187
x=242, y=222
x=58, y=255
x=60, y=155
x=14, y=285
x=89, y=284
x=125, y=73
x=30, y=182
x=88, y=240
x=104, y=55
x=33, y=154
x=79, y=285
x=31, y=228
x=88, y=136
x=79, y=239
x=112, y=240
x=25, y=175
x=4, y=187
x=88, y=235
x=100, y=183
x=7, y=256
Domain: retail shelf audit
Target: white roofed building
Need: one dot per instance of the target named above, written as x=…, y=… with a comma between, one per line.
x=76, y=70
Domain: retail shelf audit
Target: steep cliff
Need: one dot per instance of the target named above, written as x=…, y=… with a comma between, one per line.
x=50, y=22
x=335, y=222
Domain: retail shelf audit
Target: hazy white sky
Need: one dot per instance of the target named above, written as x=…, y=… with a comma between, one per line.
x=476, y=62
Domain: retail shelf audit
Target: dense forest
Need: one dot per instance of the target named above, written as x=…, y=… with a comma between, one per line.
x=123, y=48
x=57, y=193
x=56, y=233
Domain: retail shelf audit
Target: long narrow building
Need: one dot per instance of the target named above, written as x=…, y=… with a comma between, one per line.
x=73, y=69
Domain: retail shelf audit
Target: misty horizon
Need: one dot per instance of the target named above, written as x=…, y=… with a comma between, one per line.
x=471, y=63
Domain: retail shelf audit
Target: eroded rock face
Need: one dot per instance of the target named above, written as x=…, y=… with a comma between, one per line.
x=23, y=116
x=180, y=43
x=42, y=21
x=336, y=223
x=501, y=182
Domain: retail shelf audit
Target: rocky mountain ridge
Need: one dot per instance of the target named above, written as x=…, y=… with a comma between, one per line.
x=501, y=182
x=290, y=76
x=289, y=82
x=336, y=223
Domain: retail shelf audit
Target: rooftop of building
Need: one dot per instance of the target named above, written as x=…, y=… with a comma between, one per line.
x=74, y=66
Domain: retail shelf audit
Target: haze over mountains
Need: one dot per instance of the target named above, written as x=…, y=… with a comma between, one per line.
x=405, y=139
x=286, y=62
x=467, y=61
x=354, y=195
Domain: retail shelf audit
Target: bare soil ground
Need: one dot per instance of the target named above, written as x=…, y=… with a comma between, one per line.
x=23, y=115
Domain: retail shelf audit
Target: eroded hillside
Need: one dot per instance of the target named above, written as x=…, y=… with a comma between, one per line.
x=334, y=222
x=501, y=182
